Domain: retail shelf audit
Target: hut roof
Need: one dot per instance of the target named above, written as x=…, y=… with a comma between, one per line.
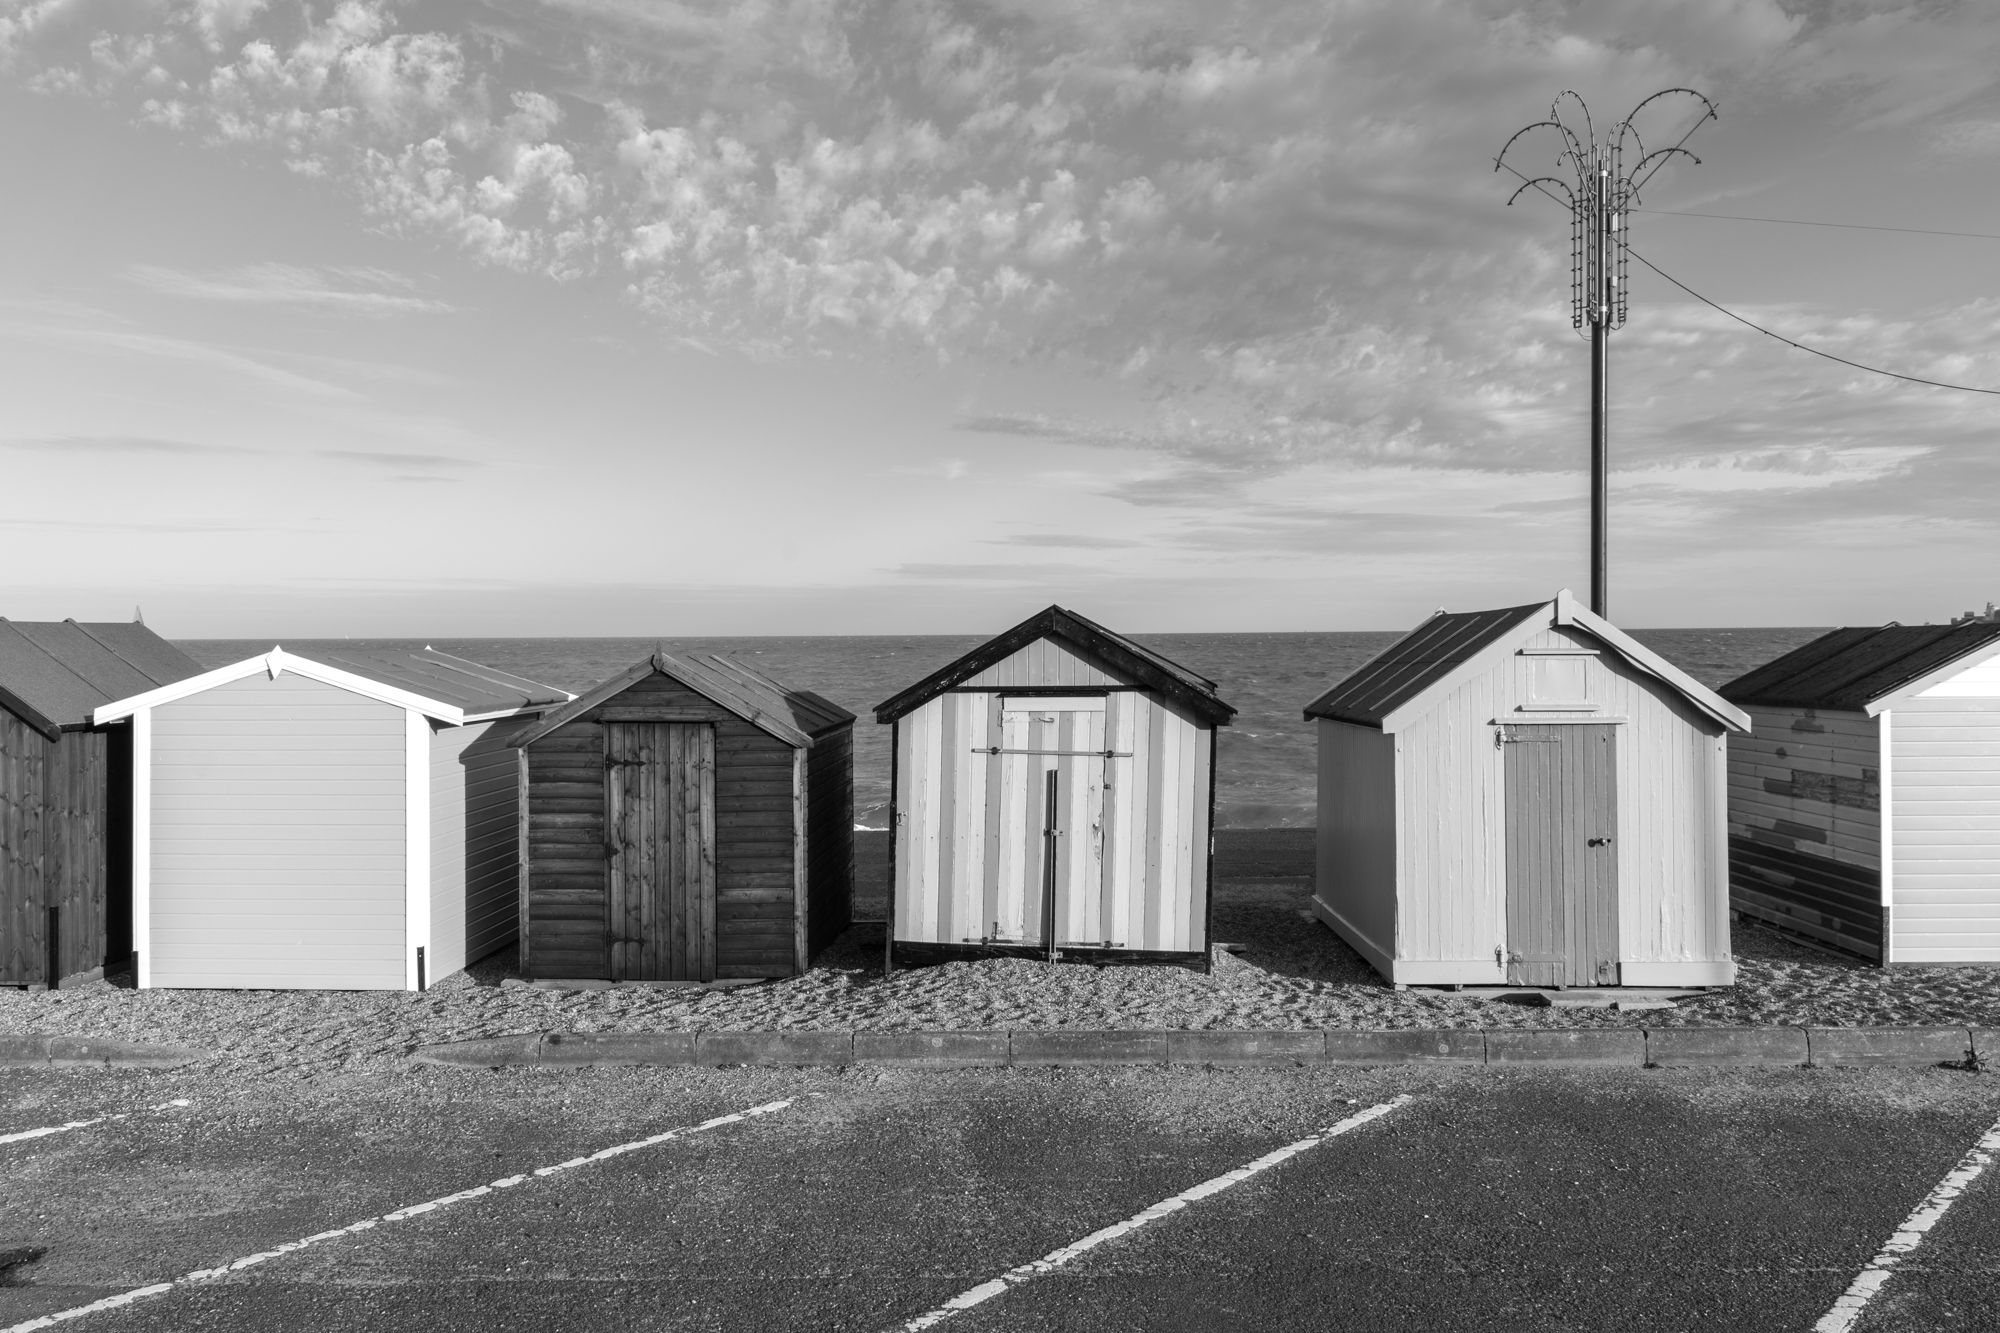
x=796, y=717
x=1436, y=656
x=1857, y=669
x=1134, y=661
x=55, y=674
x=436, y=684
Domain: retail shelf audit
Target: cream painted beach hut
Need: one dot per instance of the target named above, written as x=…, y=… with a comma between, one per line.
x=1526, y=796
x=1864, y=810
x=343, y=822
x=1052, y=794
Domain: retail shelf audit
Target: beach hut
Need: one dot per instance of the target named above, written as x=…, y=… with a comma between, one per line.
x=1052, y=794
x=341, y=822
x=65, y=864
x=1902, y=719
x=687, y=820
x=1528, y=797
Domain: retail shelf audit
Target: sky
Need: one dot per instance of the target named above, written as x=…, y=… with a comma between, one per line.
x=615, y=317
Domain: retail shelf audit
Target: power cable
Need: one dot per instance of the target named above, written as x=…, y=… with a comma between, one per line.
x=1873, y=370
x=1801, y=222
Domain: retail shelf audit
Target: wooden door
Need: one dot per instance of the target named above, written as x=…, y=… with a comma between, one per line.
x=1562, y=857
x=659, y=794
x=1049, y=853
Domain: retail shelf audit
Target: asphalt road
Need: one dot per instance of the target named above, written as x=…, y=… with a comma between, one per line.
x=1529, y=1200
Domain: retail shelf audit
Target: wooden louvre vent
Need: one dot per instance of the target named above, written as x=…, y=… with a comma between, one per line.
x=687, y=820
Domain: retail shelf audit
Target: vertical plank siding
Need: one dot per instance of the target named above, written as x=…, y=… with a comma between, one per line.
x=1945, y=799
x=1450, y=894
x=278, y=838
x=756, y=837
x=1133, y=832
x=1805, y=825
x=54, y=851
x=1356, y=844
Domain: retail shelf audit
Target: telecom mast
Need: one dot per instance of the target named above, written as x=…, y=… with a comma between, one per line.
x=1599, y=193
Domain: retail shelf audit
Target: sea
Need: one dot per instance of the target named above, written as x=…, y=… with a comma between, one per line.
x=1265, y=770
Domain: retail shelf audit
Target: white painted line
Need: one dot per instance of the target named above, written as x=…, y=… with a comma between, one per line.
x=1055, y=1259
x=47, y=1130
x=125, y=1298
x=1915, y=1227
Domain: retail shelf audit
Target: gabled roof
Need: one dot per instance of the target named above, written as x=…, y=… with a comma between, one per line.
x=797, y=717
x=1138, y=663
x=1403, y=680
x=1412, y=664
x=1856, y=669
x=438, y=685
x=55, y=674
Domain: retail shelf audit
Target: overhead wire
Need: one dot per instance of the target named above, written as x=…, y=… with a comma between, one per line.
x=1789, y=342
x=1873, y=370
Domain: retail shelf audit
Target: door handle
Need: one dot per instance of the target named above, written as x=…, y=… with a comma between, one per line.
x=1600, y=842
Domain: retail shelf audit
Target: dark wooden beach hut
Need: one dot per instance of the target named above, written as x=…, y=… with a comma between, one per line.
x=1053, y=794
x=687, y=820
x=65, y=793
x=1864, y=809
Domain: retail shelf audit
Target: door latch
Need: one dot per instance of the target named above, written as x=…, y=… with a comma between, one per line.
x=1599, y=842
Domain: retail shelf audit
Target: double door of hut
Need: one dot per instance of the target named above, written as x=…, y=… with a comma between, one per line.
x=1562, y=859
x=659, y=816
x=1046, y=833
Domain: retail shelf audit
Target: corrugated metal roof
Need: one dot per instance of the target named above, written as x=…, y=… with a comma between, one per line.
x=1853, y=667
x=468, y=686
x=796, y=717
x=55, y=674
x=1415, y=662
x=1134, y=661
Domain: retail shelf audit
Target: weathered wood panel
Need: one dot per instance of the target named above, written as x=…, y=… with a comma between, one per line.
x=55, y=852
x=1562, y=865
x=1805, y=828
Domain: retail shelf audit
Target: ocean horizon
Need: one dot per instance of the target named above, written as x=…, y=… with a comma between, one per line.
x=1265, y=774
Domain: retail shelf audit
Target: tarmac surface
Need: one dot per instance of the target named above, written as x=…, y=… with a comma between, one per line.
x=1493, y=1199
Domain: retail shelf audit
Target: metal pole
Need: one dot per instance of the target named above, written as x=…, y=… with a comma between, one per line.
x=1600, y=470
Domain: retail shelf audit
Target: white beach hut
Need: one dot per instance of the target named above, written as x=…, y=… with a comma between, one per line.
x=1526, y=796
x=340, y=823
x=1864, y=811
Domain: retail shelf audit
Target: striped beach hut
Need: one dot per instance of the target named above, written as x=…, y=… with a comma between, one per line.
x=687, y=820
x=1053, y=794
x=341, y=822
x=1526, y=796
x=1864, y=809
x=65, y=855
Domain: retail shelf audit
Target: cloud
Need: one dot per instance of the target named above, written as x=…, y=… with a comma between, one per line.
x=978, y=573
x=397, y=459
x=1062, y=540
x=343, y=291
x=117, y=444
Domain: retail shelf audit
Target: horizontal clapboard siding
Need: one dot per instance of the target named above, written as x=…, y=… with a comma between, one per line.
x=1946, y=798
x=474, y=870
x=1805, y=825
x=756, y=838
x=278, y=838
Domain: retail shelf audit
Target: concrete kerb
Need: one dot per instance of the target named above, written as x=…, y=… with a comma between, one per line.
x=1629, y=1047
x=32, y=1050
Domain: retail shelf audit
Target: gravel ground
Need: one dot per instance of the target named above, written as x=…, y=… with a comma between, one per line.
x=1293, y=973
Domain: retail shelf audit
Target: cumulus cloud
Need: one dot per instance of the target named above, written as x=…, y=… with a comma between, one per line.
x=1278, y=221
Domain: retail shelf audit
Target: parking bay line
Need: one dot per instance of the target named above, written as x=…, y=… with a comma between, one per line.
x=1849, y=1308
x=47, y=1130
x=1055, y=1259
x=199, y=1275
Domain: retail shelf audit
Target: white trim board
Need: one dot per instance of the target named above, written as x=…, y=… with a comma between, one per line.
x=142, y=846
x=275, y=663
x=416, y=844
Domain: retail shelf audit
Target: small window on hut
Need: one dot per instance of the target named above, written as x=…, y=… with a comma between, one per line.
x=1559, y=680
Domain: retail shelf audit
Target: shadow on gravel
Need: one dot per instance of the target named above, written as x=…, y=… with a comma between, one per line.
x=12, y=1261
